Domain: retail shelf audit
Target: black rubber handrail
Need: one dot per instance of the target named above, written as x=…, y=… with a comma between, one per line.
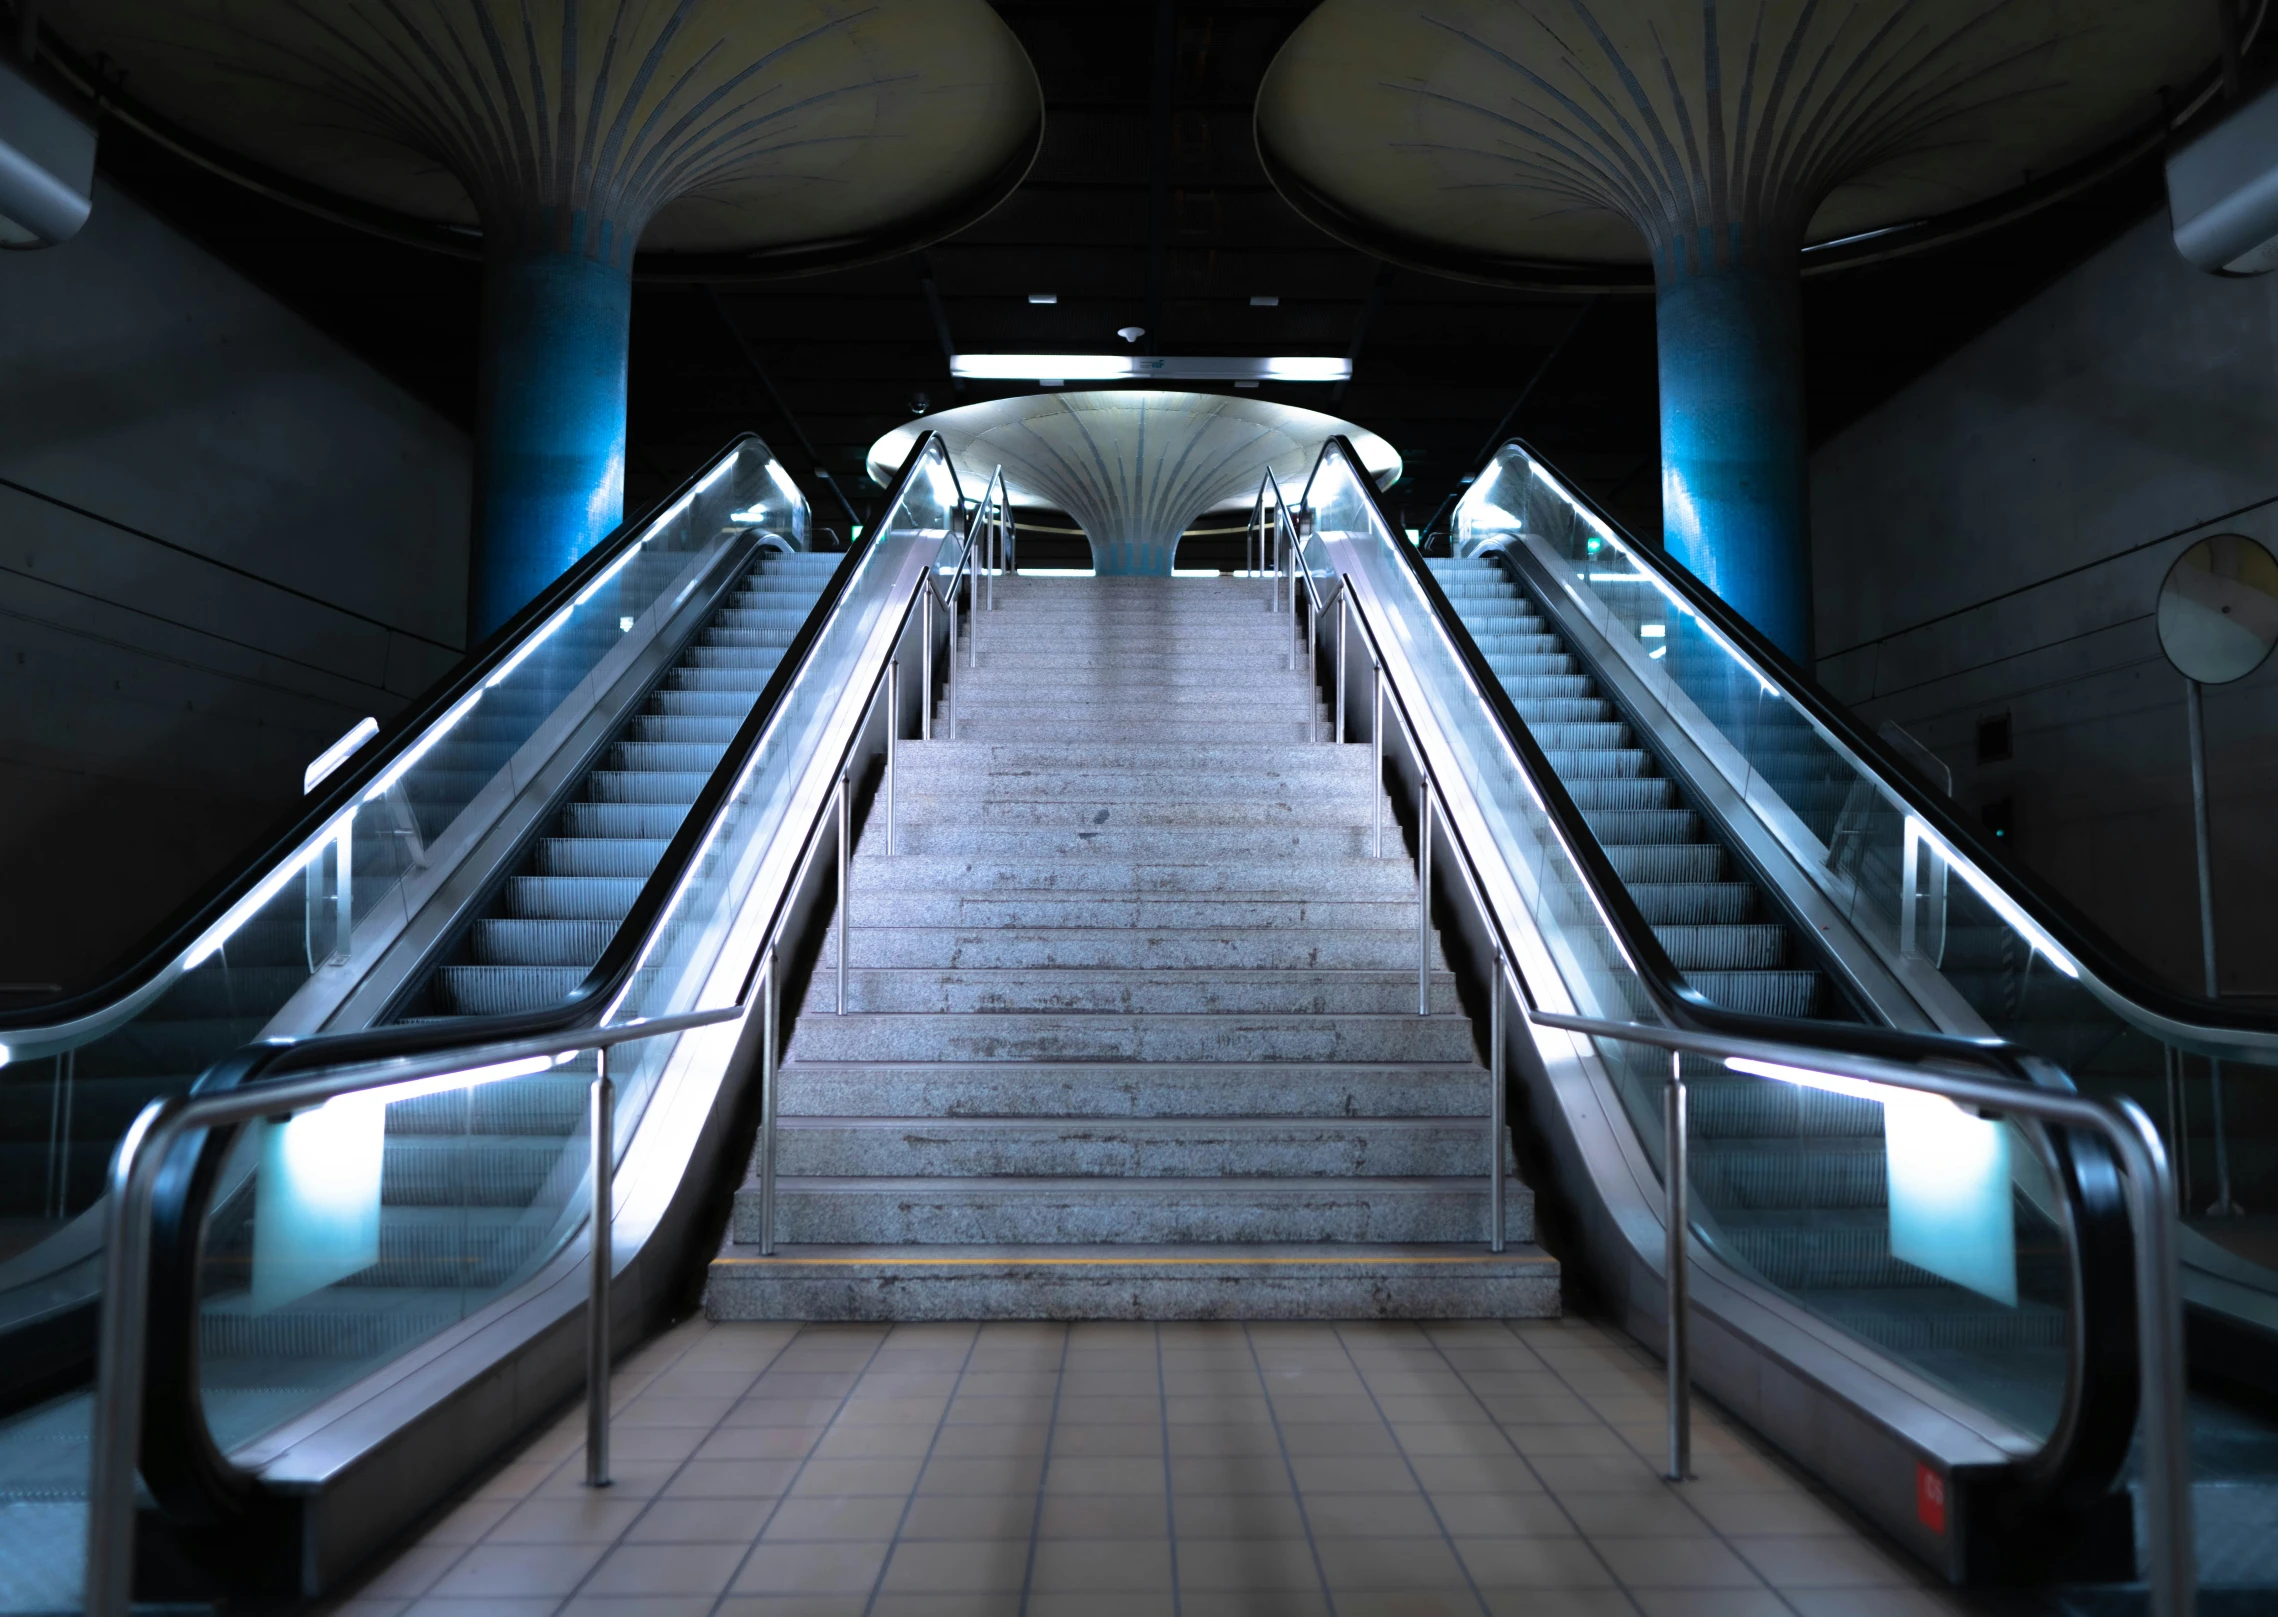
x=2097, y=951
x=2089, y=1444
x=193, y=1481
x=157, y=952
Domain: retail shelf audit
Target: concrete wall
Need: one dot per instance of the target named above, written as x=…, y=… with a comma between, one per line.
x=1993, y=539
x=223, y=540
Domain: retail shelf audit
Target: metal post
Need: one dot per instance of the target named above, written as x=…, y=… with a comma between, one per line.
x=117, y=1427
x=2171, y=1557
x=770, y=1004
x=972, y=612
x=992, y=547
x=1423, y=894
x=1344, y=613
x=1495, y=1106
x=344, y=897
x=1290, y=544
x=952, y=680
x=604, y=1172
x=2222, y=1206
x=845, y=894
x=1376, y=736
x=893, y=732
x=1675, y=1169
x=925, y=662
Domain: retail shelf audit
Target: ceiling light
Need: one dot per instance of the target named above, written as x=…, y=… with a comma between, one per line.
x=1265, y=300
x=1151, y=367
x=1131, y=333
x=1044, y=297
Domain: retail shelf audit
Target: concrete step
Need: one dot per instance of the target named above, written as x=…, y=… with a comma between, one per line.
x=1014, y=726
x=930, y=990
x=1063, y=759
x=1106, y=872
x=1065, y=1282
x=1104, y=1036
x=1283, y=949
x=1133, y=1089
x=1349, y=806
x=876, y=906
x=1109, y=842
x=1138, y=1148
x=961, y=1211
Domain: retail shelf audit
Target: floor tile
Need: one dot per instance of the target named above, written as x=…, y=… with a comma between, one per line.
x=1230, y=1473
x=1522, y=1515
x=1711, y=1603
x=1102, y=1603
x=1454, y=1601
x=1320, y=1473
x=468, y=1522
x=731, y=1479
x=665, y=1569
x=1822, y=1561
x=413, y=1572
x=1065, y=1565
x=1107, y=1441
x=1008, y=1473
x=831, y=1478
x=594, y=1519
x=701, y=1521
x=990, y=1442
x=1754, y=1514
x=910, y=1441
x=1675, y=1563
x=1195, y=1602
x=651, y=1410
x=1474, y=1473
x=1255, y=1563
x=1104, y=1515
x=810, y=1569
x=1240, y=1515
x=1533, y=1563
x=797, y=1605
x=503, y=1606
x=966, y=1566
x=1873, y=1603
x=638, y=1606
x=1532, y=1602
x=1370, y=1515
x=863, y=1517
x=1372, y=1439
x=758, y=1443
x=1389, y=1563
x=969, y=1515
x=1112, y=1474
x=1636, y=1515
x=518, y=1570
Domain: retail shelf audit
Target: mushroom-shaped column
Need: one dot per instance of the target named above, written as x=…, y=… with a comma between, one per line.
x=736, y=139
x=1559, y=141
x=1134, y=468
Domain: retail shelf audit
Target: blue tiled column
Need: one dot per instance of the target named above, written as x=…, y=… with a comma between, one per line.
x=1734, y=477
x=550, y=422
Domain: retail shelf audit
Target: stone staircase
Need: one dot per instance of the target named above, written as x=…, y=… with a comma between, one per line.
x=1131, y=1025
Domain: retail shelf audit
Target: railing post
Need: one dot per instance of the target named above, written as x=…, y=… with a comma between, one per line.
x=1344, y=616
x=2170, y=1553
x=1495, y=1105
x=1376, y=736
x=952, y=680
x=344, y=894
x=925, y=661
x=603, y=1198
x=1674, y=1172
x=770, y=1005
x=116, y=1430
x=893, y=733
x=845, y=892
x=1423, y=893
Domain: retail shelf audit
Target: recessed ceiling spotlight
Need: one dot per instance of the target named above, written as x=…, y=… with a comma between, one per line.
x=1265, y=300
x=1044, y=297
x=1131, y=333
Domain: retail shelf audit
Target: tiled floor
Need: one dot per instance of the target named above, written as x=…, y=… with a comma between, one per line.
x=1118, y=1470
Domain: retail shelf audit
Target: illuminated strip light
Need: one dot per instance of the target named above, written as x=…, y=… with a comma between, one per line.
x=1995, y=899
x=338, y=753
x=444, y=1083
x=543, y=635
x=442, y=727
x=716, y=473
x=782, y=480
x=1651, y=577
x=254, y=902
x=1150, y=367
x=613, y=569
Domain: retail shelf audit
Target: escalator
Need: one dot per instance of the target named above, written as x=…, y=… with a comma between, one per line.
x=468, y=873
x=1787, y=864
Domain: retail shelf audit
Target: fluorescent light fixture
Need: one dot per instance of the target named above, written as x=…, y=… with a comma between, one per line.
x=1058, y=572
x=3, y=1055
x=334, y=756
x=1467, y=481
x=608, y=573
x=254, y=902
x=624, y=625
x=782, y=480
x=1415, y=536
x=1657, y=653
x=1044, y=297
x=1150, y=367
x=716, y=473
x=1619, y=578
x=1265, y=300
x=1653, y=631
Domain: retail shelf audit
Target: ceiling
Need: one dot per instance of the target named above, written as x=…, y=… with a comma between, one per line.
x=1146, y=207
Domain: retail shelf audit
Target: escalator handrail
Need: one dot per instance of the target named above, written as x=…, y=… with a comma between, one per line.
x=82, y=1015
x=2089, y=1441
x=183, y=1466
x=2125, y=984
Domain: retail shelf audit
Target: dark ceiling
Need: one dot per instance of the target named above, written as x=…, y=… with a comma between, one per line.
x=1146, y=207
